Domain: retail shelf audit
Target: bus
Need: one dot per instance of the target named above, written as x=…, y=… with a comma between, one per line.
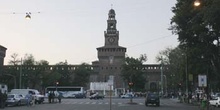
x=67, y=91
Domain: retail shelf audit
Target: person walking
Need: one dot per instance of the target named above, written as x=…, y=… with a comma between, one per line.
x=29, y=99
x=1, y=98
x=49, y=96
x=33, y=100
x=59, y=97
x=4, y=98
x=53, y=96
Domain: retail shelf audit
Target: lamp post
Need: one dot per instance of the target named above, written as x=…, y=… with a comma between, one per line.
x=111, y=59
x=165, y=78
x=197, y=3
x=20, y=75
x=186, y=58
x=110, y=96
x=161, y=76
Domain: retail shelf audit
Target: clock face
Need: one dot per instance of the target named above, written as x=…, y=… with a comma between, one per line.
x=111, y=40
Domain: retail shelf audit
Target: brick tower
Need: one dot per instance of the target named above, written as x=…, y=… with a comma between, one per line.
x=111, y=56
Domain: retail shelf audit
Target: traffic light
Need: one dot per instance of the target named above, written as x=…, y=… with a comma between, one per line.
x=179, y=85
x=130, y=84
x=57, y=83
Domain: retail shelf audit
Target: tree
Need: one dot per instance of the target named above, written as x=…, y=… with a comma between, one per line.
x=14, y=60
x=81, y=75
x=174, y=58
x=197, y=29
x=42, y=62
x=29, y=60
x=132, y=72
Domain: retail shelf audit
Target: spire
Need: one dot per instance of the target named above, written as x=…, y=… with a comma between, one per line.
x=111, y=14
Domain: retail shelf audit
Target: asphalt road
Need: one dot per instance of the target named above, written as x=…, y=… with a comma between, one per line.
x=117, y=104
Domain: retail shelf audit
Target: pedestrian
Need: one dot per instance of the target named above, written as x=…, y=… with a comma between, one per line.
x=29, y=99
x=1, y=98
x=49, y=96
x=33, y=100
x=4, y=98
x=53, y=96
x=59, y=97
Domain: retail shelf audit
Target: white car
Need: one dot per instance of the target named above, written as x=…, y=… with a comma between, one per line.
x=215, y=101
x=16, y=99
x=127, y=95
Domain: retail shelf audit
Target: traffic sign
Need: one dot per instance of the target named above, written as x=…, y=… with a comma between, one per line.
x=202, y=80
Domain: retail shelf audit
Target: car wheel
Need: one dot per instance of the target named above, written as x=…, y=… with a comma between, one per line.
x=19, y=103
x=146, y=104
x=158, y=104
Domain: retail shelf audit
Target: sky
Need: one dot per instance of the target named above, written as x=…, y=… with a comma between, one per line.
x=71, y=30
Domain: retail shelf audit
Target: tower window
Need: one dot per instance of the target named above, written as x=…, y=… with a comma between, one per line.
x=111, y=25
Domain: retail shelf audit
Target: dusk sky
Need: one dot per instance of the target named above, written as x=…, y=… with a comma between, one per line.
x=71, y=30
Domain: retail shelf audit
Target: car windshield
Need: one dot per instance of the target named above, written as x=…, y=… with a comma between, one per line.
x=152, y=95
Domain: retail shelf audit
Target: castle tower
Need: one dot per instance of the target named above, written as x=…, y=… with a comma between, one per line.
x=111, y=56
x=2, y=54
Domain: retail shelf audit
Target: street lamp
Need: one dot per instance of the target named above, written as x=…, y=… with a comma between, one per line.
x=20, y=75
x=165, y=78
x=197, y=3
x=161, y=76
x=110, y=96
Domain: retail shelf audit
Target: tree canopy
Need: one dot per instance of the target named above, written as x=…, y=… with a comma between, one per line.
x=132, y=72
x=198, y=30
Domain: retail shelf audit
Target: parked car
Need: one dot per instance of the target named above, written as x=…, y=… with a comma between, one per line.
x=96, y=96
x=127, y=95
x=152, y=98
x=80, y=95
x=35, y=93
x=16, y=99
x=215, y=101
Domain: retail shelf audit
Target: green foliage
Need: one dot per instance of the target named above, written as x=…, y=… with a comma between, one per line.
x=81, y=75
x=175, y=59
x=197, y=29
x=14, y=60
x=132, y=72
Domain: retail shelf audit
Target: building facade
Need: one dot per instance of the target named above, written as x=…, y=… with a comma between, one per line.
x=111, y=56
x=2, y=54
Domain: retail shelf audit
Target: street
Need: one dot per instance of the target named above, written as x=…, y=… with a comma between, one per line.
x=117, y=104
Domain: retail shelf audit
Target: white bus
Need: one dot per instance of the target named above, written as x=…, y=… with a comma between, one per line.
x=67, y=91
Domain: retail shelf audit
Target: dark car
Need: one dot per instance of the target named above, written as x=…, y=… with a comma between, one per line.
x=152, y=98
x=96, y=96
x=80, y=95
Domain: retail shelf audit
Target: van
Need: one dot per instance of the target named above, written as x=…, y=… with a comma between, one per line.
x=35, y=93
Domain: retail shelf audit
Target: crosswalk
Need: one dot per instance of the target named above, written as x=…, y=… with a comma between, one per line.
x=93, y=103
x=107, y=103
